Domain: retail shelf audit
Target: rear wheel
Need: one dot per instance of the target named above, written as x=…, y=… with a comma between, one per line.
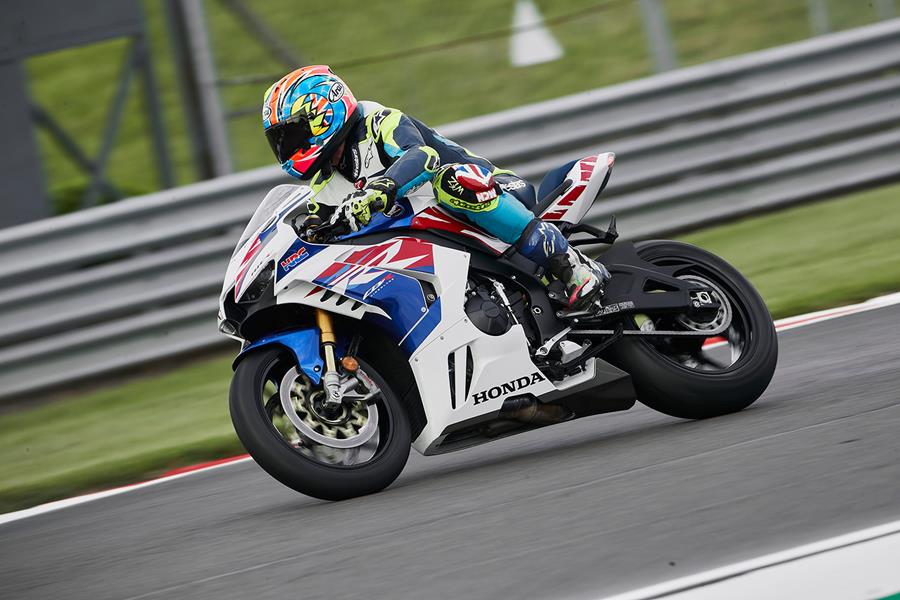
x=280, y=417
x=697, y=377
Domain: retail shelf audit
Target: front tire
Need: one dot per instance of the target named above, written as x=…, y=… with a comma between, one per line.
x=689, y=388
x=291, y=463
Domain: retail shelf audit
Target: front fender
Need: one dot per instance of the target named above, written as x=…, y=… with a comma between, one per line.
x=304, y=343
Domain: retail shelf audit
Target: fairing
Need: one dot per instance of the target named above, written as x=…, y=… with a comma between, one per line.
x=414, y=290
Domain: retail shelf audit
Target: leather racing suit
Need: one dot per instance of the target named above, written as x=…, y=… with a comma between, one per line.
x=388, y=154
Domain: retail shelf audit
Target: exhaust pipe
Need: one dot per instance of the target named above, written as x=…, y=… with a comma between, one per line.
x=526, y=409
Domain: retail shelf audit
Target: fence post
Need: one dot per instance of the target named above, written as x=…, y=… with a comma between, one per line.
x=885, y=9
x=659, y=38
x=203, y=107
x=818, y=17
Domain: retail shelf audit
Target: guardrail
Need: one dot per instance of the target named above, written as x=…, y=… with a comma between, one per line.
x=110, y=288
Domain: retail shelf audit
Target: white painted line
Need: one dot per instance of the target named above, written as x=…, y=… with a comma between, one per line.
x=819, y=316
x=694, y=583
x=834, y=313
x=780, y=325
x=864, y=571
x=66, y=503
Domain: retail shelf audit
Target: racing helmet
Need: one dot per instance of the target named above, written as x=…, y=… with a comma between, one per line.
x=306, y=115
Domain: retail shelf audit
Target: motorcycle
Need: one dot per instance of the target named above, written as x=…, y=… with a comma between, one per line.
x=421, y=330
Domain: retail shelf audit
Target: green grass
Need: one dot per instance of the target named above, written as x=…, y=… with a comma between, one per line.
x=802, y=259
x=819, y=255
x=601, y=47
x=116, y=435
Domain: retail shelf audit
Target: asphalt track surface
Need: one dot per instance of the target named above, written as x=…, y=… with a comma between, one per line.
x=583, y=509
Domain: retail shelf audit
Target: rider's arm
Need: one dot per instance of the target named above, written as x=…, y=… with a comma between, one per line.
x=401, y=146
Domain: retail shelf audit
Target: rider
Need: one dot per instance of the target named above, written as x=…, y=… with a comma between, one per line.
x=321, y=134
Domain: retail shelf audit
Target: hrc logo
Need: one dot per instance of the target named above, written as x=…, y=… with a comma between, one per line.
x=294, y=259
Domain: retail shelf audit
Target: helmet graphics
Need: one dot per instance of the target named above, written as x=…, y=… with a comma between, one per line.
x=306, y=115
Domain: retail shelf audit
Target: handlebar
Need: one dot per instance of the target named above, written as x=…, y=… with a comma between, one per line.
x=326, y=232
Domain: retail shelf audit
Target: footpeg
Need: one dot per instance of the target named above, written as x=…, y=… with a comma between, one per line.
x=548, y=345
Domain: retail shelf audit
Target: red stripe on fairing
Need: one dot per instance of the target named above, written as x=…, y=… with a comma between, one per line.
x=348, y=274
x=570, y=198
x=330, y=270
x=255, y=247
x=554, y=215
x=362, y=257
x=433, y=218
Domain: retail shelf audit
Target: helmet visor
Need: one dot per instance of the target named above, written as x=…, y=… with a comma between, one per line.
x=289, y=136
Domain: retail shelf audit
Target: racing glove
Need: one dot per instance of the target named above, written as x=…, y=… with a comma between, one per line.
x=357, y=208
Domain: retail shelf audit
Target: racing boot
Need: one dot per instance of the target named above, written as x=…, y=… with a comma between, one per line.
x=583, y=277
x=545, y=244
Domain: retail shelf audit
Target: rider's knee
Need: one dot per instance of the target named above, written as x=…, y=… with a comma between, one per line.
x=472, y=190
x=466, y=187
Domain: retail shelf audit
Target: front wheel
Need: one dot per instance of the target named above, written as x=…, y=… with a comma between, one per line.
x=696, y=377
x=359, y=449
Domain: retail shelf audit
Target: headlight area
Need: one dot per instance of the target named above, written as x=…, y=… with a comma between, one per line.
x=234, y=313
x=230, y=329
x=256, y=289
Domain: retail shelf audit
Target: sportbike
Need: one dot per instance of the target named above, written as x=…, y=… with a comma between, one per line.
x=421, y=330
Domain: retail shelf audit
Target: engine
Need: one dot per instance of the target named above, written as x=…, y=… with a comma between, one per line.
x=486, y=310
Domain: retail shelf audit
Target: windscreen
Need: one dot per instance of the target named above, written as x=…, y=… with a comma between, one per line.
x=266, y=211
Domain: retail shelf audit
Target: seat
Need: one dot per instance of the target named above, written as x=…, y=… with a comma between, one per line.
x=550, y=187
x=552, y=180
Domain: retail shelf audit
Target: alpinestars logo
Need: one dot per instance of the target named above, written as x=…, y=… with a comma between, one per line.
x=355, y=163
x=513, y=185
x=508, y=388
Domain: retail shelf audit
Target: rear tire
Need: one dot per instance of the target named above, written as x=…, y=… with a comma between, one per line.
x=679, y=391
x=295, y=470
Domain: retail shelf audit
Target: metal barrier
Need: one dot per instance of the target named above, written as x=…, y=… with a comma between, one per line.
x=114, y=287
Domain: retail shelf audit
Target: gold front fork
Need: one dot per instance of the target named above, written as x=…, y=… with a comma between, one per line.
x=331, y=378
x=323, y=321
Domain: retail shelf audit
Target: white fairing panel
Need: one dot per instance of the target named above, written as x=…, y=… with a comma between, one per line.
x=501, y=368
x=587, y=176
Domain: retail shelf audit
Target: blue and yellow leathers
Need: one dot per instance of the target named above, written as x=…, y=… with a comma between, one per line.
x=390, y=154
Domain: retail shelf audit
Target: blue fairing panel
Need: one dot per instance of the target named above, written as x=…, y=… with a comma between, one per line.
x=295, y=256
x=304, y=343
x=422, y=328
x=398, y=295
